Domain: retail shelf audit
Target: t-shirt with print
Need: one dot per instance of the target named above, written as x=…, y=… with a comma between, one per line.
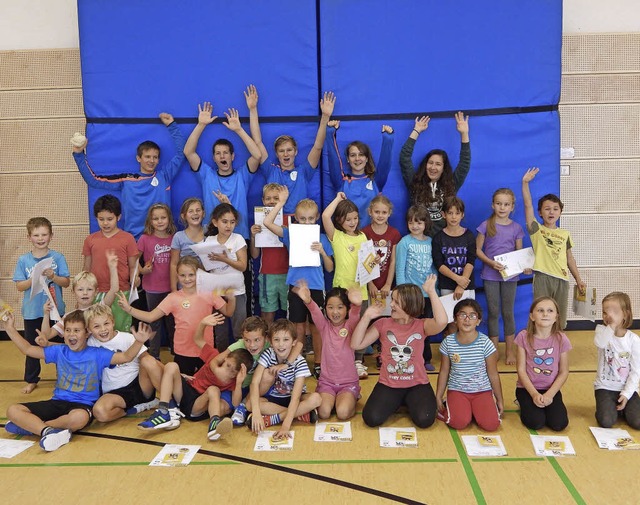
x=543, y=360
x=158, y=250
x=550, y=246
x=383, y=245
x=401, y=353
x=285, y=380
x=121, y=375
x=455, y=253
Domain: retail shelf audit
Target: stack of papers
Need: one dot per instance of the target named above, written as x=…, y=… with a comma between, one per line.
x=482, y=445
x=614, y=439
x=266, y=442
x=398, y=437
x=552, y=445
x=333, y=432
x=11, y=448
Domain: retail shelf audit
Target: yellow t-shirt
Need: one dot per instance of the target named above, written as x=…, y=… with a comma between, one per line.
x=345, y=254
x=550, y=247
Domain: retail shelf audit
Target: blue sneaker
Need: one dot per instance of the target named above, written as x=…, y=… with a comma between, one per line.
x=54, y=438
x=239, y=416
x=219, y=428
x=14, y=429
x=168, y=420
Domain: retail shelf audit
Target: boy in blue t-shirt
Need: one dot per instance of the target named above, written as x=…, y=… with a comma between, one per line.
x=139, y=190
x=306, y=212
x=56, y=277
x=78, y=369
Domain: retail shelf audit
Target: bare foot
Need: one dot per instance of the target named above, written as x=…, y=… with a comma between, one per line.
x=510, y=359
x=29, y=388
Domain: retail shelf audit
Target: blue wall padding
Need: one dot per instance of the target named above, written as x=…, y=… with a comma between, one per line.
x=410, y=58
x=429, y=55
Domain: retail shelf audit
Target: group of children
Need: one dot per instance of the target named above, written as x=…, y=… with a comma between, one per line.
x=260, y=379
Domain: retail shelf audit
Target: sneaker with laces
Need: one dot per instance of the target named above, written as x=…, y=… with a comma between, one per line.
x=309, y=417
x=362, y=370
x=219, y=427
x=54, y=438
x=239, y=416
x=141, y=407
x=14, y=429
x=169, y=420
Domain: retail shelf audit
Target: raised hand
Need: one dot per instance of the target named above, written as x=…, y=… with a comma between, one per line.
x=386, y=129
x=166, y=118
x=530, y=174
x=123, y=302
x=233, y=120
x=354, y=294
x=221, y=196
x=462, y=122
x=421, y=124
x=214, y=319
x=334, y=123
x=302, y=290
x=251, y=96
x=429, y=285
x=41, y=340
x=112, y=258
x=143, y=333
x=204, y=113
x=327, y=103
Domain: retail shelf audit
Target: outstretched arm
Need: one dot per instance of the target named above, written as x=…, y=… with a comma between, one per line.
x=142, y=315
x=384, y=161
x=143, y=334
x=33, y=351
x=326, y=106
x=333, y=155
x=327, y=214
x=204, y=118
x=209, y=321
x=251, y=97
x=114, y=283
x=92, y=180
x=283, y=194
x=172, y=167
x=233, y=123
x=434, y=325
x=406, y=153
x=363, y=334
x=529, y=214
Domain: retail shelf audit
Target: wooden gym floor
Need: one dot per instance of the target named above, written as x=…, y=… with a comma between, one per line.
x=108, y=463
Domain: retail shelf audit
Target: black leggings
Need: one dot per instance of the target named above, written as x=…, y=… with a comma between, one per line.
x=533, y=417
x=384, y=401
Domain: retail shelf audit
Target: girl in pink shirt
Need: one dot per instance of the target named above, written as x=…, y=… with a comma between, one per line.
x=338, y=382
x=403, y=378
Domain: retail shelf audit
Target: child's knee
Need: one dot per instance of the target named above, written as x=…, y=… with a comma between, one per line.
x=78, y=419
x=16, y=410
x=172, y=368
x=213, y=392
x=344, y=412
x=315, y=400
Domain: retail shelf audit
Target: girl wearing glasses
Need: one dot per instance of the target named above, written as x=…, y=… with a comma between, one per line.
x=542, y=361
x=469, y=372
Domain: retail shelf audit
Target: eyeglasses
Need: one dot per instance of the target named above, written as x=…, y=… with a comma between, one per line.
x=543, y=372
x=463, y=315
x=540, y=361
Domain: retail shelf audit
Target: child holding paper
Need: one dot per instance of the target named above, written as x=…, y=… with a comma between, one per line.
x=306, y=213
x=500, y=235
x=53, y=278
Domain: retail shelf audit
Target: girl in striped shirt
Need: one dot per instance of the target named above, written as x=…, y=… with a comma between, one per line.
x=469, y=372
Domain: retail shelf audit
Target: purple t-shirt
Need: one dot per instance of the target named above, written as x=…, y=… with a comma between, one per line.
x=504, y=241
x=543, y=361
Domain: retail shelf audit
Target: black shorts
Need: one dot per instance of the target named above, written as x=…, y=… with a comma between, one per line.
x=132, y=393
x=298, y=312
x=283, y=401
x=49, y=410
x=189, y=397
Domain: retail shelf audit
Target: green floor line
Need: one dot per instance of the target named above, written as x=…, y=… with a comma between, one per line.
x=563, y=477
x=466, y=463
x=367, y=461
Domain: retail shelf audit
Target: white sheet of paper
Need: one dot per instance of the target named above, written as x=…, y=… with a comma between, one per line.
x=333, y=432
x=398, y=437
x=175, y=455
x=202, y=249
x=265, y=441
x=301, y=236
x=133, y=291
x=11, y=448
x=367, y=269
x=449, y=303
x=266, y=238
x=516, y=262
x=481, y=445
x=544, y=445
x=585, y=305
x=38, y=284
x=614, y=439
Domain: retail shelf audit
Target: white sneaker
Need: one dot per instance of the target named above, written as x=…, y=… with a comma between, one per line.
x=362, y=370
x=141, y=407
x=54, y=438
x=239, y=416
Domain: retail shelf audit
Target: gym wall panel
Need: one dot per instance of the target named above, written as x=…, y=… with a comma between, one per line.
x=53, y=68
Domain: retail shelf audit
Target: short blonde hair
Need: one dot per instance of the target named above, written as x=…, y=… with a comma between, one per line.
x=307, y=203
x=84, y=276
x=97, y=310
x=625, y=304
x=272, y=186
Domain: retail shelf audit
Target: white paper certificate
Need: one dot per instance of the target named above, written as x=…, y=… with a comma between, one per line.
x=266, y=238
x=301, y=236
x=516, y=262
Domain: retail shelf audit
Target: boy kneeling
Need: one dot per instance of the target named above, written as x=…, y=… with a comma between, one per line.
x=200, y=394
x=78, y=369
